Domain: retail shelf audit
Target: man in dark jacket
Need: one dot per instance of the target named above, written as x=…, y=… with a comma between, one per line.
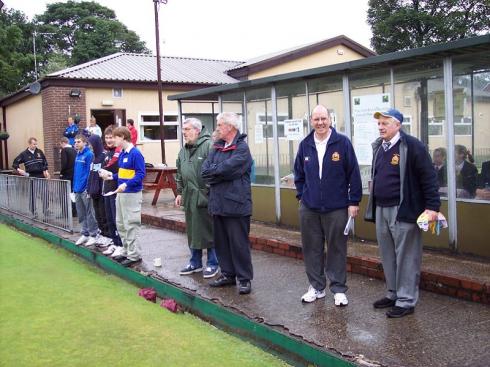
x=328, y=185
x=193, y=196
x=34, y=161
x=404, y=185
x=67, y=155
x=227, y=171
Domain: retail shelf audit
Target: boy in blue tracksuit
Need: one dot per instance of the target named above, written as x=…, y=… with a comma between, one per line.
x=328, y=185
x=83, y=203
x=71, y=131
x=129, y=195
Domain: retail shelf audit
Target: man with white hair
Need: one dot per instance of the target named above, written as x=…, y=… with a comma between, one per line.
x=328, y=185
x=227, y=172
x=193, y=196
x=404, y=185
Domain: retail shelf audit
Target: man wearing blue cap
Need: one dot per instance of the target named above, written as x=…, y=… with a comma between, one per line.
x=404, y=185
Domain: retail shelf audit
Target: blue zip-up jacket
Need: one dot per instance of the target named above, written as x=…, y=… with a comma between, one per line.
x=70, y=132
x=340, y=185
x=83, y=161
x=227, y=171
x=131, y=171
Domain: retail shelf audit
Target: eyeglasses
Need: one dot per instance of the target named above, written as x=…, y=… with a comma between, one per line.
x=323, y=119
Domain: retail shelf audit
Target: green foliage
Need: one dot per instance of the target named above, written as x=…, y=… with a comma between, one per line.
x=56, y=310
x=86, y=31
x=405, y=24
x=16, y=61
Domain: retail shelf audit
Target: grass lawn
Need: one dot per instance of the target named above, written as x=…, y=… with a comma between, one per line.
x=56, y=310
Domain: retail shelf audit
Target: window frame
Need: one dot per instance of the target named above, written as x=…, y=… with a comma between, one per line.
x=142, y=124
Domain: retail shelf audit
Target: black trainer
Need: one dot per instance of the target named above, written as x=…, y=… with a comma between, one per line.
x=397, y=312
x=384, y=303
x=222, y=281
x=245, y=287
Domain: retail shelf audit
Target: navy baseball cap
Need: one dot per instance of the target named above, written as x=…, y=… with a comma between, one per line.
x=392, y=112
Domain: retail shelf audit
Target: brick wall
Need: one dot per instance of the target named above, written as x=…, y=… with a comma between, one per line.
x=57, y=105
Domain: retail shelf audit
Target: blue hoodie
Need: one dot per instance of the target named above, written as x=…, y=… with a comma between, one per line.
x=70, y=132
x=83, y=161
x=340, y=185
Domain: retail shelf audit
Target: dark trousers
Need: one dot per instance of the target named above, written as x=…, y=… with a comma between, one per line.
x=316, y=228
x=100, y=216
x=39, y=189
x=233, y=246
x=110, y=212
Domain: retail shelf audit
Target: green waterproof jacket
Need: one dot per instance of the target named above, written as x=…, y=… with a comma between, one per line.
x=195, y=192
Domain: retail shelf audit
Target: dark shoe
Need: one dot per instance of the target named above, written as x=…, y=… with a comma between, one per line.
x=384, y=303
x=119, y=258
x=244, y=287
x=397, y=312
x=189, y=269
x=128, y=262
x=222, y=281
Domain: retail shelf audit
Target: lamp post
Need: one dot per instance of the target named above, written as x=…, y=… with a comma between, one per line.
x=156, y=4
x=34, y=35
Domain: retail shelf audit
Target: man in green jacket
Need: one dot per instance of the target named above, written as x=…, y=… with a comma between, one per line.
x=193, y=196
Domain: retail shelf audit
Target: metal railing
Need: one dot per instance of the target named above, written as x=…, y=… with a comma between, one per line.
x=45, y=201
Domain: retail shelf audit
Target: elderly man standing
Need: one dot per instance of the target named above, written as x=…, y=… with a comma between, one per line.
x=227, y=171
x=404, y=185
x=328, y=185
x=193, y=195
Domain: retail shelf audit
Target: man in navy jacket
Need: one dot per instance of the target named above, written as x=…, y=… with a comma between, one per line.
x=328, y=185
x=404, y=186
x=227, y=172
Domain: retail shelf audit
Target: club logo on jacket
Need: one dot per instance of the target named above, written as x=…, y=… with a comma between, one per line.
x=395, y=160
x=336, y=157
x=307, y=159
x=39, y=155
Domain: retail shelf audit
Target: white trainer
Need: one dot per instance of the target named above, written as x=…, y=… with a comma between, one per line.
x=109, y=250
x=340, y=299
x=312, y=295
x=118, y=251
x=91, y=241
x=81, y=240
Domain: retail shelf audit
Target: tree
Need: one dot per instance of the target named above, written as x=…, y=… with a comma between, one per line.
x=16, y=59
x=405, y=24
x=86, y=31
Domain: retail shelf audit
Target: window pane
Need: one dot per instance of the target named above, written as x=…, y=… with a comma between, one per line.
x=259, y=108
x=292, y=119
x=471, y=94
x=153, y=132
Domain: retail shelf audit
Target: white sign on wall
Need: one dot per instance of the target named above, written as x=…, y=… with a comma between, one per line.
x=365, y=126
x=293, y=129
x=259, y=133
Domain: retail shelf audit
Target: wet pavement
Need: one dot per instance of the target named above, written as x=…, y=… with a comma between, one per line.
x=443, y=331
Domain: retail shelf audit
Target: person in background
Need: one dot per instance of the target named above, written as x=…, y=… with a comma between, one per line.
x=111, y=157
x=67, y=156
x=34, y=161
x=227, y=172
x=85, y=210
x=129, y=195
x=92, y=128
x=94, y=189
x=328, y=186
x=439, y=163
x=404, y=186
x=193, y=195
x=71, y=131
x=133, y=131
x=35, y=165
x=466, y=172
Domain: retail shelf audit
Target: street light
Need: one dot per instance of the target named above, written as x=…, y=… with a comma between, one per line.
x=156, y=4
x=34, y=35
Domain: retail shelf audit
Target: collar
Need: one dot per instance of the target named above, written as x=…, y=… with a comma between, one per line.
x=394, y=139
x=324, y=141
x=129, y=147
x=32, y=151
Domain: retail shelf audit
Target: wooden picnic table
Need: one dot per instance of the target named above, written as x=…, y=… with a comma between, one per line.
x=159, y=179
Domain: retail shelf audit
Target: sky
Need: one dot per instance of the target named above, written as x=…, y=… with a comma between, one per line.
x=232, y=29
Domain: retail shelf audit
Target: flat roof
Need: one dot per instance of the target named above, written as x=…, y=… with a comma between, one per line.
x=429, y=53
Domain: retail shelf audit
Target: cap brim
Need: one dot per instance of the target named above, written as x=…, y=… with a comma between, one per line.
x=378, y=114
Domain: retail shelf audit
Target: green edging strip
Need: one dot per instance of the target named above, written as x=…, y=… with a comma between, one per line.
x=265, y=336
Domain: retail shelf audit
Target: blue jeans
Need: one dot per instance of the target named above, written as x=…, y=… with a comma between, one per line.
x=196, y=258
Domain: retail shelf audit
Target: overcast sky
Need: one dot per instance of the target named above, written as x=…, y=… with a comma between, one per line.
x=232, y=29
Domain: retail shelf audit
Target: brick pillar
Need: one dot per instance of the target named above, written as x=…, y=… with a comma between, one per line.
x=57, y=106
